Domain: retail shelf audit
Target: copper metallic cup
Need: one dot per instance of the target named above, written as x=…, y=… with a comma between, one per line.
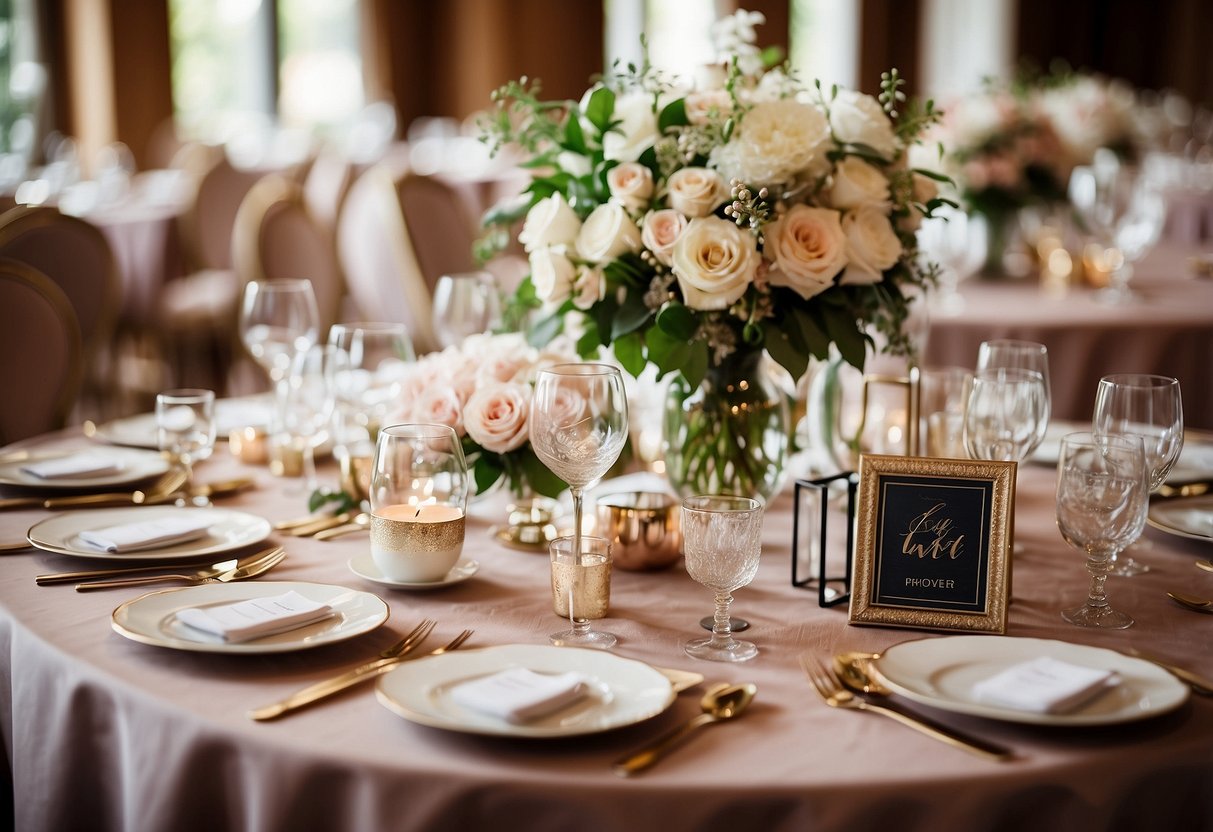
x=643, y=526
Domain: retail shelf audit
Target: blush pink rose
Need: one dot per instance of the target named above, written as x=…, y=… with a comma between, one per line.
x=661, y=230
x=497, y=416
x=440, y=405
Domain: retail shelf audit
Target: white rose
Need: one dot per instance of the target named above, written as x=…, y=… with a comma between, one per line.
x=550, y=222
x=497, y=416
x=872, y=245
x=776, y=142
x=696, y=192
x=631, y=185
x=552, y=274
x=660, y=231
x=440, y=405
x=636, y=131
x=573, y=163
x=704, y=107
x=856, y=183
x=714, y=262
x=589, y=287
x=859, y=119
x=809, y=249
x=607, y=233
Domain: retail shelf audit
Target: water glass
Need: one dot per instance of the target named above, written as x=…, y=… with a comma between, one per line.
x=581, y=589
x=1017, y=355
x=368, y=386
x=305, y=421
x=185, y=428
x=722, y=542
x=278, y=320
x=1006, y=414
x=958, y=241
x=464, y=304
x=941, y=405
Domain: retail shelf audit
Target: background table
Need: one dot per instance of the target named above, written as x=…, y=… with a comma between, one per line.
x=105, y=733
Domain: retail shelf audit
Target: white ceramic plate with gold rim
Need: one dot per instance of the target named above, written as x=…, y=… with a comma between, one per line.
x=229, y=530
x=136, y=466
x=1184, y=516
x=621, y=691
x=941, y=672
x=1195, y=460
x=139, y=431
x=364, y=567
x=152, y=618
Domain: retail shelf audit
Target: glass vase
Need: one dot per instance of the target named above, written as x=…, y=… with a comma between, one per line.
x=729, y=435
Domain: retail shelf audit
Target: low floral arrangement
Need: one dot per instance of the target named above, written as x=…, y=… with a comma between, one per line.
x=482, y=389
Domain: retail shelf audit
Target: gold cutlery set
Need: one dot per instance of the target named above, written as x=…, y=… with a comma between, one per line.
x=326, y=528
x=1191, y=602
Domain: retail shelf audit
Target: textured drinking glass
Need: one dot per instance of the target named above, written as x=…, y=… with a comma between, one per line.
x=581, y=589
x=185, y=428
x=1102, y=498
x=579, y=423
x=1151, y=407
x=722, y=541
x=464, y=304
x=1006, y=414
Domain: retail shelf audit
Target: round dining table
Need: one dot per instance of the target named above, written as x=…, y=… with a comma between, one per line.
x=102, y=732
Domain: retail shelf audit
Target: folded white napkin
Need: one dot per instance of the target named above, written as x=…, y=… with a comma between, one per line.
x=518, y=695
x=257, y=617
x=76, y=465
x=1045, y=686
x=148, y=534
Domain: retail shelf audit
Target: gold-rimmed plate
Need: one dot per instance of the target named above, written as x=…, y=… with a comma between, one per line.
x=1190, y=517
x=229, y=530
x=139, y=431
x=133, y=466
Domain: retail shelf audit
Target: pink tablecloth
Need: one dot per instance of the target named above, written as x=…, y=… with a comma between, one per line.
x=1169, y=331
x=105, y=733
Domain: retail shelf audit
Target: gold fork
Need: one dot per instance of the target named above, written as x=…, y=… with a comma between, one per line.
x=836, y=696
x=377, y=667
x=252, y=569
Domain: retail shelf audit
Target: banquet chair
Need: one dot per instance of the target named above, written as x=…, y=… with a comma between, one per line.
x=325, y=187
x=36, y=323
x=77, y=257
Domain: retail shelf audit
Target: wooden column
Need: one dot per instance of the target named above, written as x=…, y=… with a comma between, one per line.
x=889, y=32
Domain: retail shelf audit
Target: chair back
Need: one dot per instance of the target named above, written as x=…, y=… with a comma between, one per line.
x=77, y=257
x=38, y=325
x=276, y=238
x=206, y=228
x=325, y=188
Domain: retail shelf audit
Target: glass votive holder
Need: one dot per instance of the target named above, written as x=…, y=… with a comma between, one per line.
x=286, y=455
x=249, y=445
x=642, y=527
x=417, y=544
x=581, y=589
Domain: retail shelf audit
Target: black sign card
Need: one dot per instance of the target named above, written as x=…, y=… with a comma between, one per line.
x=933, y=543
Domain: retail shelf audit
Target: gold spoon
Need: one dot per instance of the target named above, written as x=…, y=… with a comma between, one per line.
x=720, y=703
x=855, y=671
x=1205, y=565
x=1192, y=602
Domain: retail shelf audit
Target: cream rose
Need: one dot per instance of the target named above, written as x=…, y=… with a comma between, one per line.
x=809, y=249
x=859, y=119
x=589, y=287
x=552, y=274
x=696, y=192
x=550, y=222
x=660, y=231
x=776, y=142
x=872, y=245
x=856, y=184
x=607, y=233
x=714, y=262
x=497, y=416
x=636, y=131
x=703, y=107
x=440, y=405
x=631, y=185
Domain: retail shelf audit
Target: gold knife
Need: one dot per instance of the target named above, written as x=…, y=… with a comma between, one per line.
x=1198, y=683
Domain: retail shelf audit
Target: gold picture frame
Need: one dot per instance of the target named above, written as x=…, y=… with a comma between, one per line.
x=933, y=544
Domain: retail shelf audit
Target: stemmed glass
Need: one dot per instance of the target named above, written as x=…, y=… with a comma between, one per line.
x=185, y=428
x=1006, y=414
x=368, y=383
x=1102, y=497
x=464, y=304
x=278, y=320
x=722, y=541
x=958, y=242
x=1150, y=407
x=307, y=417
x=1020, y=355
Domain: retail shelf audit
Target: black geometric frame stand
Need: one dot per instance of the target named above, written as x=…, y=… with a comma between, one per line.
x=831, y=591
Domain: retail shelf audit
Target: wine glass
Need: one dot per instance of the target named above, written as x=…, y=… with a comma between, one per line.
x=278, y=320
x=368, y=383
x=958, y=241
x=185, y=428
x=1006, y=414
x=581, y=589
x=464, y=304
x=1022, y=355
x=722, y=541
x=1102, y=497
x=307, y=418
x=1148, y=406
x=579, y=423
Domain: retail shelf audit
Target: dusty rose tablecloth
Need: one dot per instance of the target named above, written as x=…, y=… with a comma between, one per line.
x=104, y=733
x=1169, y=332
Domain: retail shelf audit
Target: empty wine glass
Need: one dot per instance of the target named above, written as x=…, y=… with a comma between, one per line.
x=1006, y=414
x=579, y=423
x=958, y=241
x=306, y=420
x=722, y=542
x=368, y=384
x=464, y=304
x=278, y=320
x=185, y=428
x=1150, y=407
x=581, y=589
x=1020, y=355
x=1101, y=508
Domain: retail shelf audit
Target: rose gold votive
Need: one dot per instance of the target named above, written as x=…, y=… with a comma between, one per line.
x=643, y=526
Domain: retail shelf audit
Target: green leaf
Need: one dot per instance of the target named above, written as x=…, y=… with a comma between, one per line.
x=540, y=478
x=811, y=332
x=696, y=366
x=486, y=471
x=600, y=108
x=629, y=351
x=545, y=330
x=574, y=136
x=590, y=341
x=931, y=174
x=666, y=352
x=632, y=315
x=673, y=115
x=847, y=337
x=783, y=350
x=507, y=211
x=677, y=320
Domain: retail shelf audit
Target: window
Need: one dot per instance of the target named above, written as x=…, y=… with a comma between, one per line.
x=22, y=80
x=678, y=33
x=825, y=41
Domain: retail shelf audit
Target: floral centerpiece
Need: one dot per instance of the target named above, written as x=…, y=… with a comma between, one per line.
x=695, y=227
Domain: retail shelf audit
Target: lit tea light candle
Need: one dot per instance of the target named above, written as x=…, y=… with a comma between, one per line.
x=417, y=543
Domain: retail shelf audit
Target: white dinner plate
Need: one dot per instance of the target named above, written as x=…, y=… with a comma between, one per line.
x=622, y=691
x=152, y=618
x=139, y=431
x=1195, y=460
x=136, y=465
x=1184, y=516
x=941, y=672
x=364, y=566
x=229, y=530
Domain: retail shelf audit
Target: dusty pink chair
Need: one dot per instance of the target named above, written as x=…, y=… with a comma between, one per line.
x=36, y=323
x=325, y=188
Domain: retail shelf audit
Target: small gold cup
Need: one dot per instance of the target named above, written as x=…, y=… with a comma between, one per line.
x=643, y=526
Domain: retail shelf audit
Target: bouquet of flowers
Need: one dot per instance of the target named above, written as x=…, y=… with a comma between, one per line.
x=692, y=227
